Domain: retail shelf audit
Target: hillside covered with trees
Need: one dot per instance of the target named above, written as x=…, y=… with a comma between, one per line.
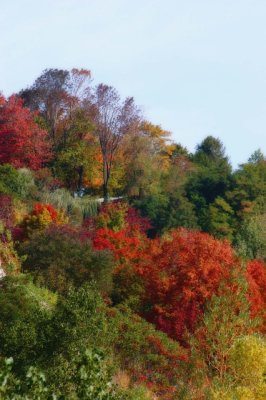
x=130, y=268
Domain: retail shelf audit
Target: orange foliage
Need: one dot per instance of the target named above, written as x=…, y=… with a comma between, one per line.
x=184, y=272
x=41, y=217
x=177, y=274
x=256, y=276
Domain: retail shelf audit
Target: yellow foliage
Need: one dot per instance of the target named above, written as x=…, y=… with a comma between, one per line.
x=240, y=393
x=247, y=362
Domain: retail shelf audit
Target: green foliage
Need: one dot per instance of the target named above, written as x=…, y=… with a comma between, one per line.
x=79, y=323
x=137, y=393
x=211, y=180
x=70, y=163
x=58, y=259
x=226, y=319
x=167, y=212
x=221, y=219
x=32, y=387
x=251, y=239
x=211, y=152
x=203, y=188
x=28, y=183
x=257, y=157
x=24, y=308
x=94, y=381
x=147, y=354
x=17, y=183
x=250, y=189
x=76, y=208
x=112, y=216
x=143, y=169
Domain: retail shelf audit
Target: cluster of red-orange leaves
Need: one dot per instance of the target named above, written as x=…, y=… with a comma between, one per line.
x=180, y=272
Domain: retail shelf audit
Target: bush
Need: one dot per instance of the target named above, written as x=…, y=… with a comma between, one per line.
x=92, y=380
x=24, y=309
x=79, y=323
x=148, y=356
x=58, y=260
x=33, y=386
x=14, y=182
x=41, y=217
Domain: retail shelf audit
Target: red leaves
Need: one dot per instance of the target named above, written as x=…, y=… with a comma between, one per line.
x=178, y=274
x=184, y=274
x=41, y=217
x=22, y=142
x=256, y=276
x=126, y=248
x=40, y=208
x=136, y=222
x=120, y=229
x=174, y=276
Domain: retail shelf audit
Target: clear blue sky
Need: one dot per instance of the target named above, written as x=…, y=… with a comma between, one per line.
x=197, y=67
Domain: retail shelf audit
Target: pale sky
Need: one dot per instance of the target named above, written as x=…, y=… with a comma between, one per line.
x=197, y=67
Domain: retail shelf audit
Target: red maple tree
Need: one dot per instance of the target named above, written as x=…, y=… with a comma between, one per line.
x=256, y=277
x=186, y=269
x=22, y=142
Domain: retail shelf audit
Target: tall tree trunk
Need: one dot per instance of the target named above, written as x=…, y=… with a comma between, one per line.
x=80, y=177
x=105, y=181
x=105, y=193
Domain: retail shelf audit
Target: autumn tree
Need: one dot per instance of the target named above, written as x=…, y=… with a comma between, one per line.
x=113, y=119
x=256, y=277
x=78, y=161
x=55, y=94
x=22, y=142
x=246, y=375
x=186, y=269
x=146, y=157
x=166, y=203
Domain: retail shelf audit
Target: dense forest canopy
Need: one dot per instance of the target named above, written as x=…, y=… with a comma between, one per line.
x=130, y=268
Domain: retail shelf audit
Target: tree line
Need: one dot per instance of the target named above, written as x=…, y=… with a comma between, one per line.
x=159, y=294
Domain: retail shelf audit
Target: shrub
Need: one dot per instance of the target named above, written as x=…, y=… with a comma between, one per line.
x=13, y=182
x=91, y=379
x=58, y=259
x=149, y=356
x=41, y=217
x=24, y=309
